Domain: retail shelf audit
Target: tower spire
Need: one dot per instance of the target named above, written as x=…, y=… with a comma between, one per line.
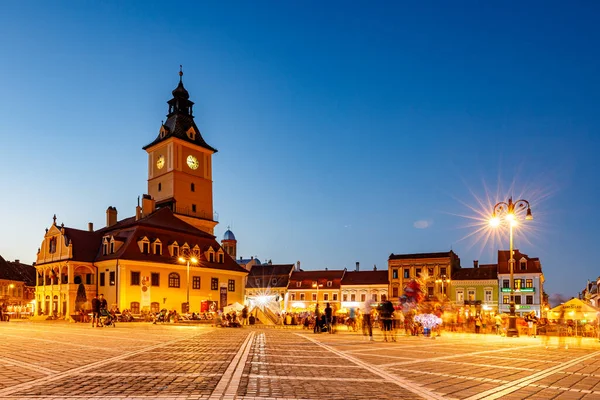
x=180, y=73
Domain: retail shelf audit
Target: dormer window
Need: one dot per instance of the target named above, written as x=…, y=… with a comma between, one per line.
x=211, y=257
x=329, y=283
x=144, y=245
x=221, y=258
x=298, y=284
x=112, y=247
x=257, y=281
x=175, y=250
x=163, y=131
x=104, y=248
x=191, y=133
x=158, y=247
x=523, y=265
x=274, y=281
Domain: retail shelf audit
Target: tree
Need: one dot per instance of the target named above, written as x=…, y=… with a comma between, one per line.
x=81, y=297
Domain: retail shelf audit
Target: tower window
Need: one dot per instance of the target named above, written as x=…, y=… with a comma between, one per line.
x=193, y=187
x=193, y=208
x=159, y=187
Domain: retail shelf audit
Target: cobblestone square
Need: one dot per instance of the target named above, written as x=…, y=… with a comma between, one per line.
x=55, y=360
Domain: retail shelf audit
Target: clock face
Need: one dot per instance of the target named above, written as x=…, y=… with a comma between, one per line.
x=192, y=162
x=160, y=162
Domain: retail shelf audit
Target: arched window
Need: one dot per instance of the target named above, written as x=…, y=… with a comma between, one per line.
x=135, y=307
x=154, y=307
x=174, y=280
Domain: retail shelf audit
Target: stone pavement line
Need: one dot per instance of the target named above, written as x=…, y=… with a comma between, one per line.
x=403, y=383
x=476, y=353
x=22, y=364
x=87, y=335
x=85, y=346
x=84, y=368
x=315, y=378
x=488, y=365
x=228, y=385
x=520, y=383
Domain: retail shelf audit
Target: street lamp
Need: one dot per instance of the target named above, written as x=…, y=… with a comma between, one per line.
x=509, y=211
x=442, y=279
x=317, y=285
x=187, y=259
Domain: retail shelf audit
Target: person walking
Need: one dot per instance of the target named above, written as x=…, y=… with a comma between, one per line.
x=317, y=328
x=498, y=321
x=367, y=323
x=386, y=320
x=95, y=311
x=245, y=315
x=328, y=317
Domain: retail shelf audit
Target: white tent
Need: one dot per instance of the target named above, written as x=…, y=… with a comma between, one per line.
x=233, y=307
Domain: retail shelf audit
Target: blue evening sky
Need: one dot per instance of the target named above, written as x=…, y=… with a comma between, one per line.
x=346, y=130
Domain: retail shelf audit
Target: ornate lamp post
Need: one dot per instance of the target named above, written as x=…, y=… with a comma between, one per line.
x=317, y=285
x=187, y=259
x=509, y=212
x=442, y=279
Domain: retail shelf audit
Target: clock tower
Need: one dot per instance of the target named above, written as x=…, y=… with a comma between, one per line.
x=180, y=165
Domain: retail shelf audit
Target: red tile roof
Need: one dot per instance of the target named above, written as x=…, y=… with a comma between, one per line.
x=307, y=278
x=366, y=278
x=162, y=225
x=533, y=264
x=483, y=272
x=446, y=254
x=16, y=271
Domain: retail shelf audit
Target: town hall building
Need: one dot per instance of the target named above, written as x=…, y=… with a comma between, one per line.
x=165, y=256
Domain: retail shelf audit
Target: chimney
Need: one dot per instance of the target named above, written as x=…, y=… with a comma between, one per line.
x=138, y=213
x=374, y=267
x=17, y=261
x=357, y=266
x=91, y=226
x=148, y=205
x=111, y=216
x=325, y=268
x=475, y=263
x=298, y=266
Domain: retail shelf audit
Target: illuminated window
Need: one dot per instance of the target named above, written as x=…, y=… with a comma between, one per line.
x=154, y=307
x=460, y=296
x=214, y=283
x=488, y=296
x=174, y=280
x=196, y=282
x=471, y=294
x=506, y=299
x=231, y=285
x=135, y=307
x=528, y=283
x=352, y=297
